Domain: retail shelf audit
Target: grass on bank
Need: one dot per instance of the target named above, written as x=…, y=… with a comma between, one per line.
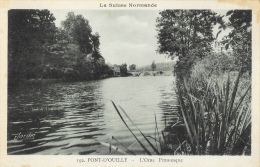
x=216, y=113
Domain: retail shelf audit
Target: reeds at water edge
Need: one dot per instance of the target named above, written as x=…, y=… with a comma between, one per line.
x=161, y=143
x=216, y=116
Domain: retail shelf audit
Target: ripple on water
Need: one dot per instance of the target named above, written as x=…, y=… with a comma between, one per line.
x=87, y=115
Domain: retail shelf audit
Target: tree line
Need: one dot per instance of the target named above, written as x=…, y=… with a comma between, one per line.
x=39, y=49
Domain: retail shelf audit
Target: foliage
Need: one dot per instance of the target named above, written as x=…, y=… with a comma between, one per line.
x=38, y=49
x=123, y=69
x=30, y=32
x=146, y=150
x=166, y=143
x=132, y=67
x=215, y=63
x=216, y=115
x=96, y=51
x=184, y=65
x=153, y=66
x=79, y=30
x=240, y=37
x=88, y=64
x=186, y=34
x=180, y=31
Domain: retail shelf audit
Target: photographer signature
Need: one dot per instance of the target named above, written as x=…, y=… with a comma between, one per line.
x=21, y=136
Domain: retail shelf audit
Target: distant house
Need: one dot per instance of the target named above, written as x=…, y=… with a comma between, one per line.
x=116, y=70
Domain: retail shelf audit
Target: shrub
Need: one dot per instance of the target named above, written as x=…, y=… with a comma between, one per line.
x=217, y=63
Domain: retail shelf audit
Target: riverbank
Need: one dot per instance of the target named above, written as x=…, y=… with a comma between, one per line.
x=53, y=80
x=46, y=81
x=213, y=114
x=215, y=107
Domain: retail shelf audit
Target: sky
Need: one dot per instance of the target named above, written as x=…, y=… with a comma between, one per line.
x=126, y=36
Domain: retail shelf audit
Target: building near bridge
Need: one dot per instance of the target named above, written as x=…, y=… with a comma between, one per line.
x=116, y=69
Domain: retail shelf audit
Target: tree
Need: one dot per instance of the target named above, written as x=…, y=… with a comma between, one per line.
x=132, y=67
x=240, y=37
x=186, y=34
x=123, y=69
x=153, y=66
x=78, y=28
x=30, y=32
x=95, y=45
x=80, y=33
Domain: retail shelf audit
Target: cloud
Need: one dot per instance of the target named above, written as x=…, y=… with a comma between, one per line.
x=131, y=23
x=130, y=53
x=126, y=36
x=120, y=52
x=125, y=28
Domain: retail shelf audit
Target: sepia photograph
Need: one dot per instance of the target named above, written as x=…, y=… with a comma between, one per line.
x=172, y=82
x=129, y=83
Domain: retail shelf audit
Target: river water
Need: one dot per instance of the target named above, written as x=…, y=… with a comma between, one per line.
x=76, y=117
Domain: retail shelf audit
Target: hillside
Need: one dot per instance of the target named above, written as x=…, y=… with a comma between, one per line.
x=159, y=67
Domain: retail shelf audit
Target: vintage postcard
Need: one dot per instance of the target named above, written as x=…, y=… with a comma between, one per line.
x=130, y=83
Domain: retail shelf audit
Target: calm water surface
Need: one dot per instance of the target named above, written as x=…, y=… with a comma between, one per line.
x=73, y=118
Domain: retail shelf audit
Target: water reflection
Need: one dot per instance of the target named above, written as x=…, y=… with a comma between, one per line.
x=71, y=118
x=58, y=114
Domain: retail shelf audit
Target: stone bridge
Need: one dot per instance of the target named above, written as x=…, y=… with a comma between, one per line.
x=147, y=73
